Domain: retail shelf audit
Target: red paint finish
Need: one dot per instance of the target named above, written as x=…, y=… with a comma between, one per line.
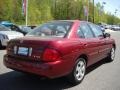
x=56, y=57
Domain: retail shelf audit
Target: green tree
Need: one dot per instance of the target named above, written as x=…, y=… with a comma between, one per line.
x=40, y=11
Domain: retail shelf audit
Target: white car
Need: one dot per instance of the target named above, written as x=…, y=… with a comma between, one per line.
x=7, y=34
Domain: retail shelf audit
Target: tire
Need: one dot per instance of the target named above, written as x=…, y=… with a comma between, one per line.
x=78, y=73
x=111, y=55
x=0, y=45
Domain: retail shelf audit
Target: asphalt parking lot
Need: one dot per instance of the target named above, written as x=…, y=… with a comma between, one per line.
x=101, y=76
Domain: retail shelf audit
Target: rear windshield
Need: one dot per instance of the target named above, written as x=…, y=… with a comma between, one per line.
x=52, y=29
x=3, y=28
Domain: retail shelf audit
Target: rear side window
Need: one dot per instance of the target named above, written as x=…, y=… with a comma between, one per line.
x=80, y=33
x=97, y=30
x=86, y=30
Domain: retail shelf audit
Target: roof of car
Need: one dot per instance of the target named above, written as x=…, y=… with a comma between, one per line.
x=65, y=20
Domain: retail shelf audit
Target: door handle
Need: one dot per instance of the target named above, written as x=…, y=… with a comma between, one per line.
x=85, y=44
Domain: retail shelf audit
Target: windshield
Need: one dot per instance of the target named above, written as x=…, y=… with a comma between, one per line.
x=3, y=28
x=57, y=29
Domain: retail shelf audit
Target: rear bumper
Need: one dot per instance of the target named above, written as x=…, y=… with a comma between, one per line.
x=49, y=70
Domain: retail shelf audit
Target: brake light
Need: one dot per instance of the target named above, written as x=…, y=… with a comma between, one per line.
x=51, y=55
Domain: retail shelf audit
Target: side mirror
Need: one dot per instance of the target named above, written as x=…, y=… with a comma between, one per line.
x=103, y=30
x=107, y=35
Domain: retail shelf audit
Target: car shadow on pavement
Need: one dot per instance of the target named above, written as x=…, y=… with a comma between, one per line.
x=96, y=65
x=17, y=81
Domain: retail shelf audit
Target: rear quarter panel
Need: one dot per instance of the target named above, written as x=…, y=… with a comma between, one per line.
x=70, y=50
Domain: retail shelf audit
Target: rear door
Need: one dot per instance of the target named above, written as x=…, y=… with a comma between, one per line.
x=91, y=45
x=103, y=47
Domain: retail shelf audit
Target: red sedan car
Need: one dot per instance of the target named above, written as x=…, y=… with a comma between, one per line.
x=60, y=48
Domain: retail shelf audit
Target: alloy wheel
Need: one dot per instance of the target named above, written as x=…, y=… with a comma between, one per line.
x=80, y=70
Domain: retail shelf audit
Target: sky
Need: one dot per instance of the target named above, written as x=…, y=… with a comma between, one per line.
x=111, y=6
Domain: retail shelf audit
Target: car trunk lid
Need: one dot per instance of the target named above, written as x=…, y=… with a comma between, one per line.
x=29, y=47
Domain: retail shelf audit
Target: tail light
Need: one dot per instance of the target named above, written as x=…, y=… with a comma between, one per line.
x=51, y=55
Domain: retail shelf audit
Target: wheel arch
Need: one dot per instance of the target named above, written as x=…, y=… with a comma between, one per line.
x=114, y=46
x=85, y=57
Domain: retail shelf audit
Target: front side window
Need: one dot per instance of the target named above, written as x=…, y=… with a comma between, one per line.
x=86, y=30
x=97, y=30
x=52, y=29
